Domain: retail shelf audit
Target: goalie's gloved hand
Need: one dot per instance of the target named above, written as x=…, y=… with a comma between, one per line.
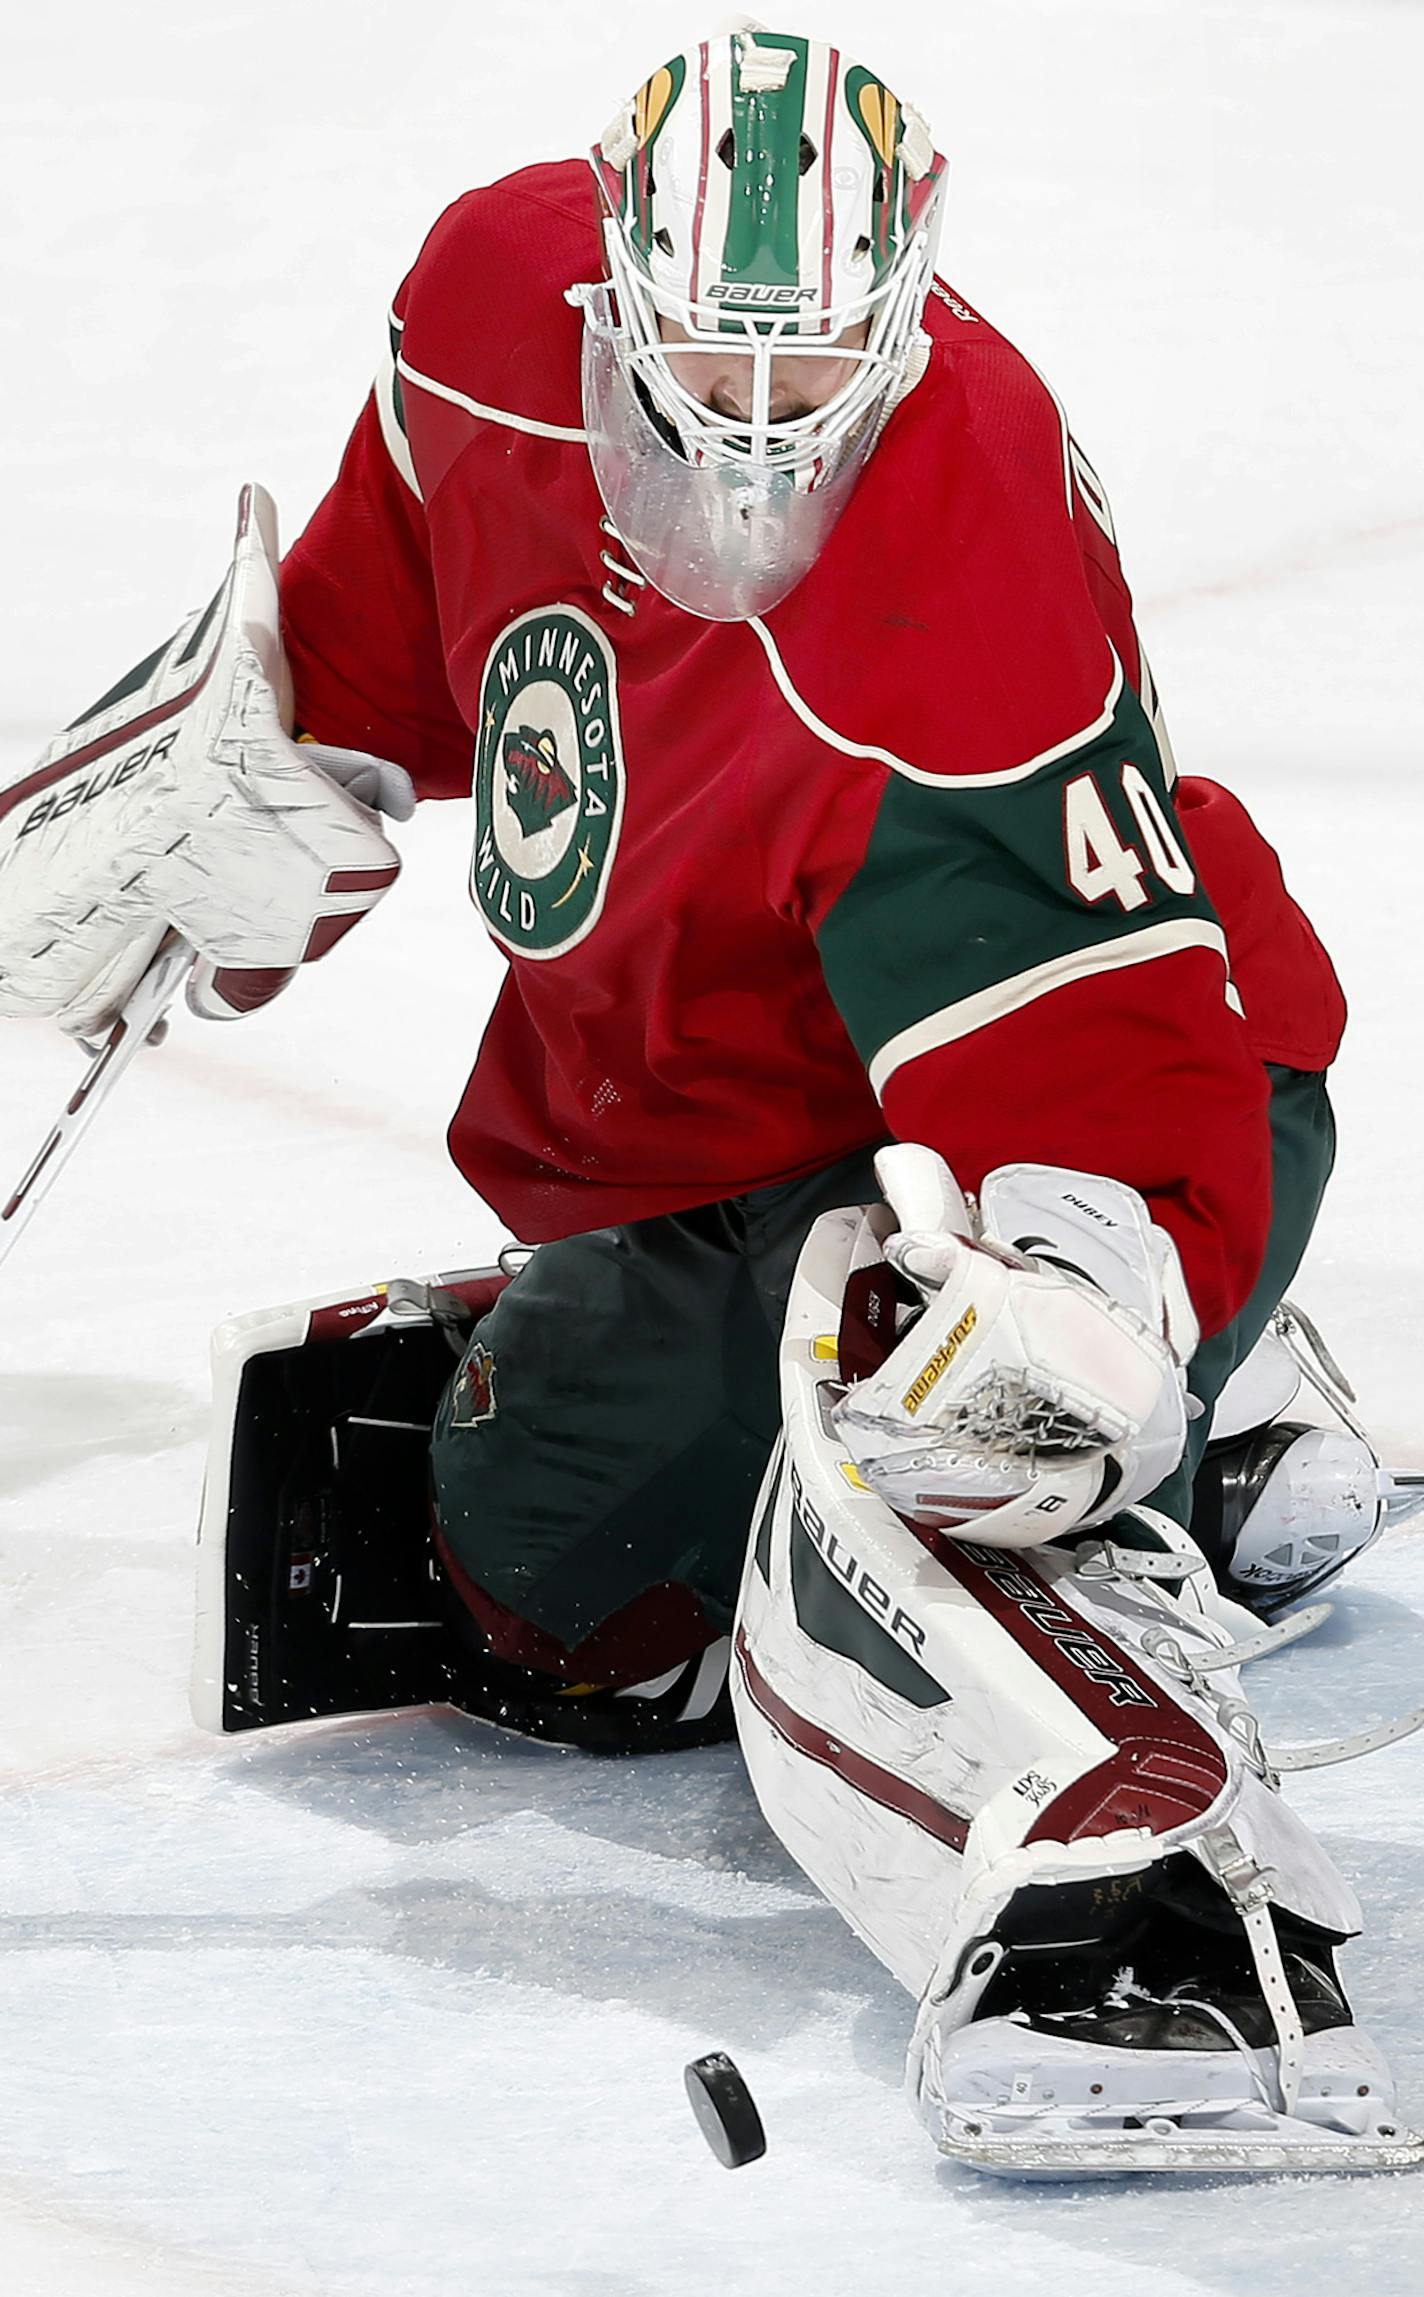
x=1043, y=1383
x=375, y=783
x=180, y=803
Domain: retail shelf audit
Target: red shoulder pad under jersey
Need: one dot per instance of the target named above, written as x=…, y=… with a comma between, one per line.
x=960, y=328
x=485, y=331
x=1294, y=1009
x=479, y=331
x=361, y=626
x=956, y=324
x=970, y=644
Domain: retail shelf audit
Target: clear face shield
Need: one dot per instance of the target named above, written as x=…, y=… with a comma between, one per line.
x=726, y=453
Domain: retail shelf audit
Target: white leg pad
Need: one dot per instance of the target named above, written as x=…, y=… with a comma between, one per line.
x=932, y=1727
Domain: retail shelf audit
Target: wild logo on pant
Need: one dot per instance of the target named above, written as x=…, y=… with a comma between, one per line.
x=548, y=781
x=473, y=1399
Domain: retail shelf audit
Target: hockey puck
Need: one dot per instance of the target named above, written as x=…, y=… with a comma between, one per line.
x=725, y=2109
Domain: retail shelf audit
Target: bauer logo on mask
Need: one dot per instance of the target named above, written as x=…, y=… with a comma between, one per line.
x=548, y=781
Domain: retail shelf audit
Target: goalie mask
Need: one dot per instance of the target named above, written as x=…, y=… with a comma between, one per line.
x=770, y=218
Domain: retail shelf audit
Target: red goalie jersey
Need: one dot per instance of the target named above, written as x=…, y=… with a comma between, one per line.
x=903, y=856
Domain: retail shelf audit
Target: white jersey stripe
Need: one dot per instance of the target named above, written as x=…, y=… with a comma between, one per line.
x=486, y=414
x=1152, y=704
x=948, y=782
x=1091, y=490
x=987, y=1005
x=397, y=444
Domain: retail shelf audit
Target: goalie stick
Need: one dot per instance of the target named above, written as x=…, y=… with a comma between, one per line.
x=135, y=1025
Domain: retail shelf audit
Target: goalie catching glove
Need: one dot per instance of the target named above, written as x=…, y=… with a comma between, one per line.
x=1037, y=1376
x=180, y=802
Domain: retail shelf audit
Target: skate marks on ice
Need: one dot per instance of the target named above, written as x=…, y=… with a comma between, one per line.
x=403, y=2006
x=294, y=1990
x=536, y=1865
x=425, y=1992
x=46, y=2250
x=52, y=1422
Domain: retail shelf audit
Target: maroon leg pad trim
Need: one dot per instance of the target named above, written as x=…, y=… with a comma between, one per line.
x=246, y=988
x=480, y=1292
x=1167, y=1770
x=326, y=932
x=362, y=880
x=877, y=1785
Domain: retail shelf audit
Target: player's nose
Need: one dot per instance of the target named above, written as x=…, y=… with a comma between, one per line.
x=731, y=396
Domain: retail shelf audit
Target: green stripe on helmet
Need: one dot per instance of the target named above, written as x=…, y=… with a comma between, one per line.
x=762, y=246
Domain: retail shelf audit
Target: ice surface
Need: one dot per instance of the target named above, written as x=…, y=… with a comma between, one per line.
x=401, y=2007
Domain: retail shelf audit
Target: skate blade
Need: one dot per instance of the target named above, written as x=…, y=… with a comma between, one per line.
x=1166, y=2147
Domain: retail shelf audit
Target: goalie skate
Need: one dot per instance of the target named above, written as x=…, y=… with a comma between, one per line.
x=1154, y=2048
x=1067, y=2109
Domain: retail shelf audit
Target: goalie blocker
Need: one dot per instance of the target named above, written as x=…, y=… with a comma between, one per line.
x=1029, y=1781
x=181, y=802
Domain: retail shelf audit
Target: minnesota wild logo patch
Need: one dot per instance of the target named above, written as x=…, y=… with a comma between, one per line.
x=472, y=1400
x=548, y=781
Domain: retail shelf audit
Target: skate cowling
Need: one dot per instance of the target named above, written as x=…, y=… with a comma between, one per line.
x=1120, y=2023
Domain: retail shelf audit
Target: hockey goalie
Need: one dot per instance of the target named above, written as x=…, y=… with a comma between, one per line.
x=909, y=1094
